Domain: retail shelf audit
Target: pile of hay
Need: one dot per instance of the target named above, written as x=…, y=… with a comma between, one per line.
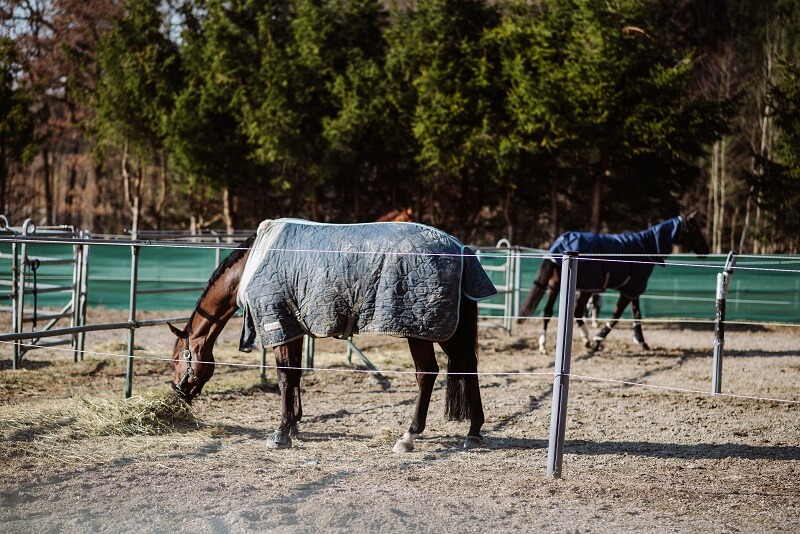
x=149, y=414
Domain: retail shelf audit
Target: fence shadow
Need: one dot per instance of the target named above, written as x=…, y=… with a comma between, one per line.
x=697, y=451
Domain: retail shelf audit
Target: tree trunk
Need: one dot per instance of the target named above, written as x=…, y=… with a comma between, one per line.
x=49, y=205
x=714, y=194
x=757, y=245
x=722, y=192
x=227, y=211
x=3, y=177
x=91, y=213
x=597, y=199
x=553, y=208
x=746, y=223
x=163, y=191
x=132, y=188
x=508, y=215
x=137, y=199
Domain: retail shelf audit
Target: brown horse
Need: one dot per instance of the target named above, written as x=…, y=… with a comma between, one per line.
x=628, y=276
x=194, y=359
x=405, y=215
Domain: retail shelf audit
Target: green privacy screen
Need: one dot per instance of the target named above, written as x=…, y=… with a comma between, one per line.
x=160, y=268
x=763, y=288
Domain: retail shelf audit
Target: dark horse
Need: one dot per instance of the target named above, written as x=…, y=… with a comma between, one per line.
x=194, y=359
x=624, y=273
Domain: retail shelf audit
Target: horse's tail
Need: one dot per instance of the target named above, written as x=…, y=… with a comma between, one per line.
x=462, y=397
x=543, y=275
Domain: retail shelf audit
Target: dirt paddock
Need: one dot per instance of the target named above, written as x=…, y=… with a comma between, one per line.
x=637, y=459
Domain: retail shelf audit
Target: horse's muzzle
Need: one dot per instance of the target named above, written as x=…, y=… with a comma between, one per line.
x=187, y=395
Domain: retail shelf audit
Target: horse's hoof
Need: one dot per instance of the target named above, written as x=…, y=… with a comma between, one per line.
x=542, y=349
x=587, y=344
x=279, y=440
x=403, y=446
x=473, y=442
x=645, y=346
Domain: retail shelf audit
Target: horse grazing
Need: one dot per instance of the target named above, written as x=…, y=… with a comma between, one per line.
x=296, y=278
x=624, y=273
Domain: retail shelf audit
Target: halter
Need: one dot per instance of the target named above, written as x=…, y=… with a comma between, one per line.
x=178, y=388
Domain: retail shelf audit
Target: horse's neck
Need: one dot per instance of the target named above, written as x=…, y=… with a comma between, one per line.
x=216, y=307
x=208, y=321
x=665, y=235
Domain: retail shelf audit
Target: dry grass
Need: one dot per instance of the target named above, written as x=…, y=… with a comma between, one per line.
x=148, y=414
x=38, y=432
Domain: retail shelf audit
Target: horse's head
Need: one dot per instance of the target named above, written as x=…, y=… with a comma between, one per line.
x=692, y=236
x=191, y=371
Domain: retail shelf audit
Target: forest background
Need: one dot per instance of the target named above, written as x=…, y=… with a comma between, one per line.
x=488, y=119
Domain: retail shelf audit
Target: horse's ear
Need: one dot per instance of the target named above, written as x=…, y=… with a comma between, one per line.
x=178, y=332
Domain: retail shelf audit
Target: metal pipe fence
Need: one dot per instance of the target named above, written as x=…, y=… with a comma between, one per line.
x=22, y=237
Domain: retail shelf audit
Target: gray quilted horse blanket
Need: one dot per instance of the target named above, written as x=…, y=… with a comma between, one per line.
x=402, y=279
x=628, y=277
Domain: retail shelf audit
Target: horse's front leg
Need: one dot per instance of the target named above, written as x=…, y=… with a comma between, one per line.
x=580, y=311
x=637, y=324
x=597, y=341
x=427, y=370
x=287, y=359
x=549, y=306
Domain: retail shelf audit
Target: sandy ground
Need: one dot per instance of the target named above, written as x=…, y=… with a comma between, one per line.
x=637, y=459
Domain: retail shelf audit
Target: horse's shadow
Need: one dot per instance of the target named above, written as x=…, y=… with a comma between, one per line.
x=30, y=365
x=447, y=445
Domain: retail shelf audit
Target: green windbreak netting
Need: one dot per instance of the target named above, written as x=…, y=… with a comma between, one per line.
x=160, y=268
x=763, y=288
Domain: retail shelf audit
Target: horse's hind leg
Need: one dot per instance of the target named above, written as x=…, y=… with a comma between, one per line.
x=463, y=392
x=597, y=341
x=288, y=359
x=637, y=324
x=427, y=370
x=580, y=311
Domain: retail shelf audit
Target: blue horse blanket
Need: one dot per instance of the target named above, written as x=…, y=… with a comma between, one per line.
x=622, y=272
x=402, y=279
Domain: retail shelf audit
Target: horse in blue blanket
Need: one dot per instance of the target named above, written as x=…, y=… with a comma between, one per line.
x=638, y=253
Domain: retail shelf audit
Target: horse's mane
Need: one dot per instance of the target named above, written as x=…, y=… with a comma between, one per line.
x=232, y=259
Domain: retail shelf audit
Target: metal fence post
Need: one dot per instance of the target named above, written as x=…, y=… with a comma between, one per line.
x=566, y=313
x=16, y=272
x=723, y=282
x=308, y=352
x=132, y=320
x=263, y=364
x=84, y=290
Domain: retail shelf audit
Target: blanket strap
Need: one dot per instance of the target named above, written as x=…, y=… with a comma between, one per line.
x=351, y=319
x=296, y=311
